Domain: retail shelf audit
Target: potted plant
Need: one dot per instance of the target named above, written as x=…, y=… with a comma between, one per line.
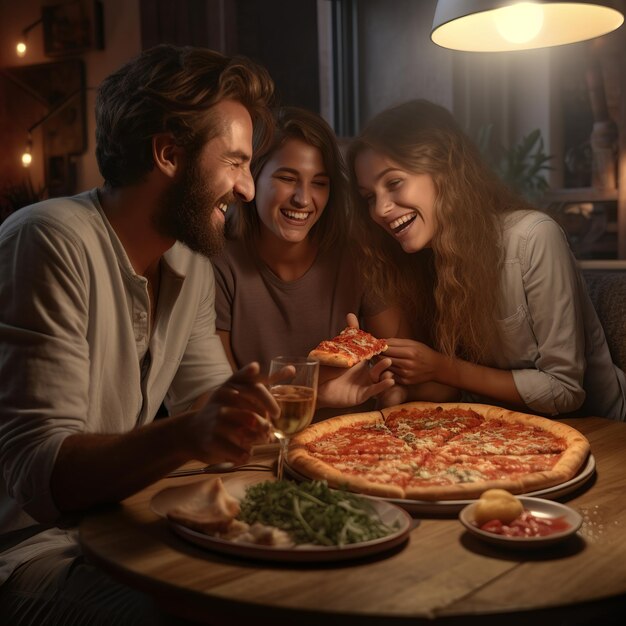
x=522, y=166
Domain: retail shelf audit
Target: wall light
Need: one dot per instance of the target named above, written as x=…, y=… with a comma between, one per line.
x=503, y=25
x=27, y=155
x=21, y=47
x=69, y=27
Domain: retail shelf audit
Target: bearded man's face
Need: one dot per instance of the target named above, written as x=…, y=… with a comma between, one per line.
x=188, y=213
x=212, y=177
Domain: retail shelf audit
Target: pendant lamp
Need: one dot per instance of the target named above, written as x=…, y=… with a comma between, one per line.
x=504, y=25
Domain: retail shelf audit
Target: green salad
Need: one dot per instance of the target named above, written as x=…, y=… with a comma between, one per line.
x=311, y=512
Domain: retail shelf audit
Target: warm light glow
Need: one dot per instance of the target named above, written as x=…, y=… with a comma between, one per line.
x=519, y=23
x=27, y=159
x=488, y=26
x=20, y=49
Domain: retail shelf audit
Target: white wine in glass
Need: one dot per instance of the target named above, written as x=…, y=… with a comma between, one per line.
x=296, y=396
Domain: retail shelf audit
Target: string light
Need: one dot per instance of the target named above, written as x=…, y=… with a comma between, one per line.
x=27, y=156
x=21, y=48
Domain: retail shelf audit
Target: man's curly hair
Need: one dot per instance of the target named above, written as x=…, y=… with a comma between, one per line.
x=171, y=89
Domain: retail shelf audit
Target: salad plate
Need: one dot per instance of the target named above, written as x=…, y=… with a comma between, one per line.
x=390, y=514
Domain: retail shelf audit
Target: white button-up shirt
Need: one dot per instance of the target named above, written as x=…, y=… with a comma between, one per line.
x=78, y=350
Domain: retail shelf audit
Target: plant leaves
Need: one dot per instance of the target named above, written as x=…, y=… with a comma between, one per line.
x=521, y=166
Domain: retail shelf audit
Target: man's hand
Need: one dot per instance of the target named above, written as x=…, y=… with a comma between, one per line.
x=234, y=419
x=93, y=468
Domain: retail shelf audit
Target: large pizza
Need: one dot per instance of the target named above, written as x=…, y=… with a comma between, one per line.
x=428, y=451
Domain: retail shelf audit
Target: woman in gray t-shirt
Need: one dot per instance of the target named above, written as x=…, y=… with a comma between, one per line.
x=289, y=273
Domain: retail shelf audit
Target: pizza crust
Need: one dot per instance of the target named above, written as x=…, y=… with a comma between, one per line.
x=572, y=458
x=460, y=491
x=332, y=359
x=319, y=429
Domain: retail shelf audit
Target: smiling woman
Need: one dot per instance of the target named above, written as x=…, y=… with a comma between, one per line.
x=293, y=191
x=492, y=279
x=289, y=274
x=402, y=204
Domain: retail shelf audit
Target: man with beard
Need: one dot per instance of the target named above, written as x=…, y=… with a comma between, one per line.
x=107, y=311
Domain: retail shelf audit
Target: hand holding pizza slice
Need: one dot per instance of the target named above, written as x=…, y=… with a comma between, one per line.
x=347, y=380
x=340, y=387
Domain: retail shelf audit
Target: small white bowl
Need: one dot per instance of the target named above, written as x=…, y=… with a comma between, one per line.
x=539, y=508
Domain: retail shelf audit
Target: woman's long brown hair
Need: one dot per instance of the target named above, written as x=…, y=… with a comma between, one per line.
x=452, y=289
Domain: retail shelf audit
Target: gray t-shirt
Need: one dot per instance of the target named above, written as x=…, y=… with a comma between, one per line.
x=268, y=317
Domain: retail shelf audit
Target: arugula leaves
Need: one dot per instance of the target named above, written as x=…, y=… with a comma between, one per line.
x=311, y=512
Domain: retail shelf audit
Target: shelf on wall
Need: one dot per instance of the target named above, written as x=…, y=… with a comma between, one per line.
x=580, y=194
x=603, y=264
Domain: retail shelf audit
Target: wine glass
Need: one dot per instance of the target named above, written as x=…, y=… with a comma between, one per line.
x=296, y=396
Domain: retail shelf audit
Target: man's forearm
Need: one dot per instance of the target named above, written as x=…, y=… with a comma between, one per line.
x=94, y=469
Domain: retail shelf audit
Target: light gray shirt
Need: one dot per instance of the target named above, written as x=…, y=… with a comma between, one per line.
x=552, y=339
x=78, y=350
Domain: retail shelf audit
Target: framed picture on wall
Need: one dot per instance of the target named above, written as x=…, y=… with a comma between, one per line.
x=72, y=27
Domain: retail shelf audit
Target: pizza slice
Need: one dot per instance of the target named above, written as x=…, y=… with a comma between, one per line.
x=364, y=440
x=349, y=347
x=442, y=477
x=510, y=437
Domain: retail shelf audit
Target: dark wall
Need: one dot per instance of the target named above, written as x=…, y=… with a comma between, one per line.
x=279, y=34
x=282, y=35
x=179, y=22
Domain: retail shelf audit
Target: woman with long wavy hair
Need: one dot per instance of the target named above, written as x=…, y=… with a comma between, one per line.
x=490, y=283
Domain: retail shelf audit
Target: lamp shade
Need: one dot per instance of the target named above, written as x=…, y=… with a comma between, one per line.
x=503, y=25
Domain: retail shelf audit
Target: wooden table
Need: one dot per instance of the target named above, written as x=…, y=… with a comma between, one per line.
x=441, y=574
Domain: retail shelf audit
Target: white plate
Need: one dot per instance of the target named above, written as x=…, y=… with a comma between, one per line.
x=450, y=507
x=390, y=514
x=539, y=508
